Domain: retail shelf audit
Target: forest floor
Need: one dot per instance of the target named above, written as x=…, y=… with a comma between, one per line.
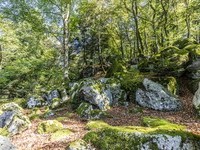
x=131, y=115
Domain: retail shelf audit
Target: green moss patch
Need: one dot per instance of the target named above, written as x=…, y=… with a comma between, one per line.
x=92, y=125
x=49, y=126
x=4, y=132
x=60, y=134
x=104, y=136
x=161, y=124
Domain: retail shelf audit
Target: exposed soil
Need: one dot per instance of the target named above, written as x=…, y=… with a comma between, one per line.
x=131, y=115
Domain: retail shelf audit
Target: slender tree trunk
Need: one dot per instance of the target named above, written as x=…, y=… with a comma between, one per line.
x=187, y=19
x=65, y=46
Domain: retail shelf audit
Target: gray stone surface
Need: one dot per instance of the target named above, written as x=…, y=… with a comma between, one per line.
x=5, y=144
x=102, y=93
x=157, y=97
x=13, y=119
x=196, y=100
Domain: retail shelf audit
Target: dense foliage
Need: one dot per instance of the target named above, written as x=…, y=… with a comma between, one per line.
x=46, y=44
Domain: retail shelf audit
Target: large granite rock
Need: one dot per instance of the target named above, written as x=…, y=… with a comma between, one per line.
x=157, y=97
x=196, y=100
x=12, y=118
x=101, y=93
x=5, y=144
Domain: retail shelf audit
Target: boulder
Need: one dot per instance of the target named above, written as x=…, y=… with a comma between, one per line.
x=162, y=136
x=170, y=61
x=53, y=99
x=196, y=100
x=193, y=70
x=101, y=93
x=13, y=119
x=86, y=111
x=5, y=144
x=34, y=102
x=156, y=97
x=55, y=94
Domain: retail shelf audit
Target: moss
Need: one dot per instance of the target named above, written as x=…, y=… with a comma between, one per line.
x=131, y=80
x=4, y=132
x=49, y=126
x=132, y=137
x=61, y=119
x=35, y=114
x=194, y=51
x=55, y=103
x=92, y=125
x=20, y=101
x=161, y=124
x=60, y=134
x=171, y=61
x=82, y=108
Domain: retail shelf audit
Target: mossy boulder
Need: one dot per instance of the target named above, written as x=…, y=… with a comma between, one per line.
x=162, y=135
x=170, y=61
x=101, y=93
x=49, y=126
x=182, y=43
x=12, y=118
x=86, y=111
x=155, y=96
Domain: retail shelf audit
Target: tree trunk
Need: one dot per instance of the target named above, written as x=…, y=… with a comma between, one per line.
x=65, y=47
